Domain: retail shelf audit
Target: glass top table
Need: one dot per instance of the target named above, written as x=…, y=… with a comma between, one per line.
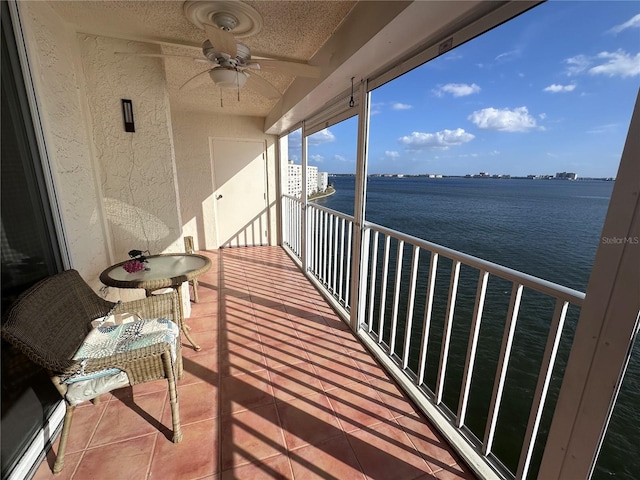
x=165, y=270
x=168, y=270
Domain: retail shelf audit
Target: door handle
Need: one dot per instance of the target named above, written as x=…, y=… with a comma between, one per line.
x=218, y=197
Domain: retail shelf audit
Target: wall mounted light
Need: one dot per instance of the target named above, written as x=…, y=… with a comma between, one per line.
x=127, y=113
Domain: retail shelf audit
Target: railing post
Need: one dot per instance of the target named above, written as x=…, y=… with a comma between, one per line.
x=503, y=364
x=358, y=283
x=280, y=188
x=304, y=247
x=286, y=215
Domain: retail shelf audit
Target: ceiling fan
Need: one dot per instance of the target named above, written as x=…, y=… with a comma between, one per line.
x=231, y=61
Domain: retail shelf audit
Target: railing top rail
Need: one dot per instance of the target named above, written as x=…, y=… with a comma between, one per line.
x=570, y=295
x=332, y=212
x=292, y=198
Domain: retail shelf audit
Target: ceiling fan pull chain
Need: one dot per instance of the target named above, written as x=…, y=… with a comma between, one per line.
x=238, y=83
x=221, y=105
x=351, y=101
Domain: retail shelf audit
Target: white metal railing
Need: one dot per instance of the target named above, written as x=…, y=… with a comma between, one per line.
x=291, y=225
x=329, y=245
x=330, y=250
x=398, y=275
x=378, y=240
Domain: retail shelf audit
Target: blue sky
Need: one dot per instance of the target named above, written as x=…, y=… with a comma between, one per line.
x=552, y=90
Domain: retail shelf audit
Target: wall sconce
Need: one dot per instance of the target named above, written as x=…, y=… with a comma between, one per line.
x=127, y=113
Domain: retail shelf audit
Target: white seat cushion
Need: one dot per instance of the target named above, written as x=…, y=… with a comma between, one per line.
x=108, y=340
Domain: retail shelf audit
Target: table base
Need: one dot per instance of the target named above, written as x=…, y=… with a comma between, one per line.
x=184, y=328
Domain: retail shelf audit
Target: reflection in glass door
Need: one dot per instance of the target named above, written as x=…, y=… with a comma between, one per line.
x=29, y=252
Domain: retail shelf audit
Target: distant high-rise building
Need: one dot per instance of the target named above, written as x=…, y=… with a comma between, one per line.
x=323, y=181
x=312, y=180
x=567, y=176
x=294, y=179
x=316, y=181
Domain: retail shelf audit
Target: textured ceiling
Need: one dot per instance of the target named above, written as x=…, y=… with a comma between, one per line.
x=291, y=29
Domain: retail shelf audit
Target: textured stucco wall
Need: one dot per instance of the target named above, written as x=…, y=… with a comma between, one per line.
x=116, y=191
x=137, y=170
x=191, y=133
x=54, y=60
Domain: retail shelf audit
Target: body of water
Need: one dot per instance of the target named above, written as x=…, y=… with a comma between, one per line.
x=549, y=229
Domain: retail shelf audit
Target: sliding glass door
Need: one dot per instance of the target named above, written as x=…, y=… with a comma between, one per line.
x=29, y=252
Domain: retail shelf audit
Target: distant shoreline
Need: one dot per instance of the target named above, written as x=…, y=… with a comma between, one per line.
x=400, y=175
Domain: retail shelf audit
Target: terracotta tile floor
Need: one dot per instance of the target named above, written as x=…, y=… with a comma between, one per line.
x=280, y=389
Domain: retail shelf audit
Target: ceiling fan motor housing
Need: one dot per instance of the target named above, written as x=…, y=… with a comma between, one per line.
x=242, y=57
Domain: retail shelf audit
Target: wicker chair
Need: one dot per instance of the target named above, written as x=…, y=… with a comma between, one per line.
x=50, y=321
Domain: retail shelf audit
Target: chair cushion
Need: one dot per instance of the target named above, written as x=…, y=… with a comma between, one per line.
x=108, y=340
x=85, y=390
x=111, y=339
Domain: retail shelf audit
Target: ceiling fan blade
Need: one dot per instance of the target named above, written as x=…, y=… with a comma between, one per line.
x=261, y=86
x=222, y=40
x=196, y=80
x=168, y=55
x=291, y=68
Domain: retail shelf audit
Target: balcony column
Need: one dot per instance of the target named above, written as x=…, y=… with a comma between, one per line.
x=304, y=197
x=606, y=330
x=282, y=154
x=360, y=250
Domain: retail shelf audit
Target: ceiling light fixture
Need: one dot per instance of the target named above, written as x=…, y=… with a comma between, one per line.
x=228, y=77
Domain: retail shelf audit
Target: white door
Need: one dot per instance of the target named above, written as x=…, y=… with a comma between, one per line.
x=240, y=192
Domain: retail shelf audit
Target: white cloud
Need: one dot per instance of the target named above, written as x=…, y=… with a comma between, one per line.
x=323, y=136
x=606, y=128
x=340, y=158
x=618, y=63
x=504, y=120
x=457, y=89
x=316, y=158
x=453, y=55
x=441, y=140
x=507, y=56
x=555, y=88
x=633, y=22
x=577, y=64
x=376, y=108
x=612, y=64
x=295, y=139
x=401, y=106
x=391, y=154
x=542, y=116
